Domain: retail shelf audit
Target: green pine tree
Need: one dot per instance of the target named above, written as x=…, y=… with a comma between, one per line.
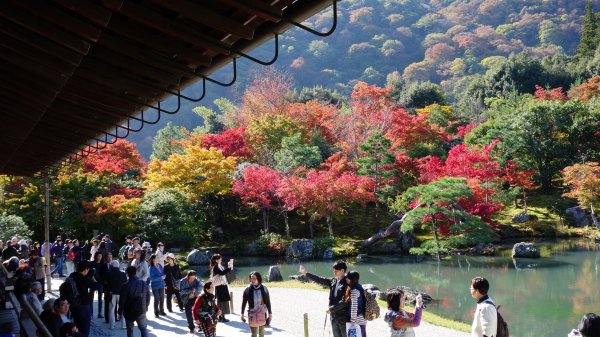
x=589, y=38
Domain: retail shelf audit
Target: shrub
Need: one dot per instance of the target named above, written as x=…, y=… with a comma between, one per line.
x=272, y=244
x=320, y=244
x=13, y=225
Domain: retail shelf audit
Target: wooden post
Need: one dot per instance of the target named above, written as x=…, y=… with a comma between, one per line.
x=231, y=302
x=305, y=325
x=47, y=231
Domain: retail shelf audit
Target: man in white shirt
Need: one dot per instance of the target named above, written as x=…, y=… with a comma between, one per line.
x=485, y=321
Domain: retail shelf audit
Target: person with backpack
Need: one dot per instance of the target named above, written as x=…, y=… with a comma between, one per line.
x=355, y=297
x=401, y=323
x=338, y=308
x=206, y=310
x=172, y=277
x=75, y=290
x=124, y=249
x=485, y=321
x=133, y=303
x=259, y=305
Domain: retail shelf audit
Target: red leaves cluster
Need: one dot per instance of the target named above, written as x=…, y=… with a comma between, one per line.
x=517, y=177
x=587, y=90
x=556, y=94
x=258, y=186
x=116, y=158
x=231, y=142
x=407, y=130
x=478, y=166
x=463, y=131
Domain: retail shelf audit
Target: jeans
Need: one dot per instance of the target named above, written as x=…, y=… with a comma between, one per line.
x=159, y=300
x=82, y=317
x=9, y=322
x=338, y=326
x=142, y=324
x=70, y=266
x=99, y=289
x=59, y=267
x=258, y=331
x=170, y=300
x=188, y=312
x=114, y=302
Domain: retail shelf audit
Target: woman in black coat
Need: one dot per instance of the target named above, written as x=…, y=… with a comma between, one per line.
x=218, y=274
x=172, y=277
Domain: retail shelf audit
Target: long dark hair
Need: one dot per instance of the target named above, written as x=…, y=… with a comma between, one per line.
x=213, y=260
x=353, y=276
x=153, y=260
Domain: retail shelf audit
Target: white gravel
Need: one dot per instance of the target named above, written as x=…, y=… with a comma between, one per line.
x=289, y=306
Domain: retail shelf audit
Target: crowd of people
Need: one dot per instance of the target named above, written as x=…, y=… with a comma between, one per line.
x=123, y=286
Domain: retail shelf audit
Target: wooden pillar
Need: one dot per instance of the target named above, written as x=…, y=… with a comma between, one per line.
x=305, y=325
x=47, y=231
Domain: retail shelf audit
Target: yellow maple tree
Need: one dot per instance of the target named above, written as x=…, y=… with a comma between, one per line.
x=196, y=172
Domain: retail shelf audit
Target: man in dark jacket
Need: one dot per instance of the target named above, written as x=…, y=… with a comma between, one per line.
x=58, y=255
x=82, y=313
x=114, y=281
x=134, y=302
x=9, y=251
x=338, y=309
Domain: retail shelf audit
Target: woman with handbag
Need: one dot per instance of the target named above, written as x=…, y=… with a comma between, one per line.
x=218, y=274
x=259, y=304
x=355, y=296
x=172, y=277
x=206, y=311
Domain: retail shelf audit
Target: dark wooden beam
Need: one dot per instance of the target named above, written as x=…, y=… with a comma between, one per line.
x=258, y=8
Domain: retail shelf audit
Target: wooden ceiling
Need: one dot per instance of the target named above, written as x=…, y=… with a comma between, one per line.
x=73, y=70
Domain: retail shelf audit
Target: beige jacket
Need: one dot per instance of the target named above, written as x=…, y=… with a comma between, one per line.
x=485, y=321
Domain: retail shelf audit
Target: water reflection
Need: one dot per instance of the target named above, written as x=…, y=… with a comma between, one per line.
x=544, y=297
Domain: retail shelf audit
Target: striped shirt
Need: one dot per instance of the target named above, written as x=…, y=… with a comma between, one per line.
x=354, y=315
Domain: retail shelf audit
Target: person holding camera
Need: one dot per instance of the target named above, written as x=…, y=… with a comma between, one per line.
x=588, y=327
x=401, y=322
x=218, y=274
x=338, y=308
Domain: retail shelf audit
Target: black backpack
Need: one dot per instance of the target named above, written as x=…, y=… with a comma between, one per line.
x=68, y=289
x=502, y=328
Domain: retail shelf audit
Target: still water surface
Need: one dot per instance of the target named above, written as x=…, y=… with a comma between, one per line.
x=538, y=297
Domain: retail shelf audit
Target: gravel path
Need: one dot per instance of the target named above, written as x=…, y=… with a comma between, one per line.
x=289, y=307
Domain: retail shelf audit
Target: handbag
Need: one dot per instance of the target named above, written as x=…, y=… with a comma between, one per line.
x=257, y=317
x=353, y=330
x=208, y=318
x=176, y=283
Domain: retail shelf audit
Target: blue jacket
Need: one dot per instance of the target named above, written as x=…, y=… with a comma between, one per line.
x=156, y=274
x=185, y=289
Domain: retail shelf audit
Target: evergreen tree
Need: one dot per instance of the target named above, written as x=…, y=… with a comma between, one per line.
x=164, y=145
x=295, y=153
x=377, y=163
x=589, y=39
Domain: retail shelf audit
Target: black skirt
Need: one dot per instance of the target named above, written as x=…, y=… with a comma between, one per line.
x=222, y=293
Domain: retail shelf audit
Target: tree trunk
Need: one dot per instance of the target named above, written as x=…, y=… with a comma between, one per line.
x=330, y=225
x=525, y=202
x=389, y=231
x=265, y=221
x=287, y=223
x=435, y=237
x=593, y=216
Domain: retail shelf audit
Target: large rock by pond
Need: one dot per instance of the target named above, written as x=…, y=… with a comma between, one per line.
x=274, y=274
x=328, y=254
x=300, y=249
x=410, y=294
x=579, y=216
x=407, y=240
x=198, y=258
x=525, y=249
x=483, y=249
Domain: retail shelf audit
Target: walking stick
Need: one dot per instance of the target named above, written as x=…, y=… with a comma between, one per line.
x=324, y=324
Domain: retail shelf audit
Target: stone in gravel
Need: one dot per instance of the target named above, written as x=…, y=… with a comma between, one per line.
x=274, y=274
x=525, y=249
x=300, y=249
x=197, y=258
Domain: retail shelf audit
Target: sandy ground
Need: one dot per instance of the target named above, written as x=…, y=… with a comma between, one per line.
x=289, y=307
